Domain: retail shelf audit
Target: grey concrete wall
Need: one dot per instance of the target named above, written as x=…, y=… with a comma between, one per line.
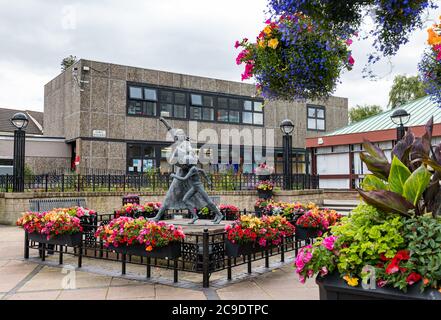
x=12, y=205
x=102, y=106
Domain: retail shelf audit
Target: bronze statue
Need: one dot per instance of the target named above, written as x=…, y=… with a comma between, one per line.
x=186, y=190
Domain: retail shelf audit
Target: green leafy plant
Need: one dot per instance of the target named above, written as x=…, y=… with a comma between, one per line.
x=410, y=185
x=364, y=236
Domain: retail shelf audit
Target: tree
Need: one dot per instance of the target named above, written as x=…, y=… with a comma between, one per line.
x=405, y=89
x=359, y=113
x=67, y=62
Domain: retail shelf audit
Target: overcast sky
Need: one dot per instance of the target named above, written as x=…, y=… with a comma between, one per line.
x=191, y=36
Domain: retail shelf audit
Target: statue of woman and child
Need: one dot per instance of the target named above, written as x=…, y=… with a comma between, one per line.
x=187, y=189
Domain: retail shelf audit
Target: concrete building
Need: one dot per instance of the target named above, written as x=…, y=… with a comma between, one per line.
x=43, y=153
x=108, y=116
x=335, y=156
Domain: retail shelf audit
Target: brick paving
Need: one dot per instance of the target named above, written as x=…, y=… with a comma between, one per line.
x=22, y=279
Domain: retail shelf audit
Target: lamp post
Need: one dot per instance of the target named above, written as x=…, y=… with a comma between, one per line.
x=19, y=121
x=400, y=117
x=287, y=127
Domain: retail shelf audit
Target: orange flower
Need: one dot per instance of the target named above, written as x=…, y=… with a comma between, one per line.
x=434, y=38
x=149, y=248
x=426, y=281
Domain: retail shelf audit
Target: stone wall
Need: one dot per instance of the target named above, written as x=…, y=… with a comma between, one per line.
x=12, y=205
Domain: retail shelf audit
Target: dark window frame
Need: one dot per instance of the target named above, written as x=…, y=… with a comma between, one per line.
x=188, y=93
x=316, y=107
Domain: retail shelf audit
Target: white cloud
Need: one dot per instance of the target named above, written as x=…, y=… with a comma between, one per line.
x=192, y=36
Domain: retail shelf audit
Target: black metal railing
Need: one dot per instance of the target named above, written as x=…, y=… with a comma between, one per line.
x=202, y=252
x=147, y=182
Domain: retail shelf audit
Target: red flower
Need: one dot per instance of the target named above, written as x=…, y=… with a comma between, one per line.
x=413, y=278
x=383, y=257
x=403, y=255
x=393, y=266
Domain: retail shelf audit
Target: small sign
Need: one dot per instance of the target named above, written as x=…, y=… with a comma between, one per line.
x=320, y=141
x=99, y=133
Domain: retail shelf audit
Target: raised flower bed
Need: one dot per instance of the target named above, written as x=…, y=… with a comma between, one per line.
x=147, y=210
x=265, y=189
x=230, y=212
x=52, y=228
x=315, y=222
x=250, y=234
x=392, y=241
x=264, y=171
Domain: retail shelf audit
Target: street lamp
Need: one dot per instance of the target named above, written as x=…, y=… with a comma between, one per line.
x=400, y=117
x=287, y=127
x=19, y=121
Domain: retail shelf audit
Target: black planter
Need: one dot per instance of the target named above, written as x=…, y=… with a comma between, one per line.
x=265, y=194
x=230, y=216
x=70, y=240
x=306, y=233
x=236, y=250
x=332, y=287
x=172, y=251
x=264, y=177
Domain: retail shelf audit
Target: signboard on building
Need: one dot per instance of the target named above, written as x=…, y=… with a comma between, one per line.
x=99, y=133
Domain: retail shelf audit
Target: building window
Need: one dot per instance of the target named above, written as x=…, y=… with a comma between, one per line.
x=316, y=118
x=202, y=107
x=184, y=104
x=253, y=112
x=173, y=104
x=142, y=101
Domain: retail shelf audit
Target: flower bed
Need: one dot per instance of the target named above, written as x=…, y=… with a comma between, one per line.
x=148, y=210
x=256, y=234
x=230, y=211
x=52, y=227
x=132, y=234
x=315, y=222
x=393, y=239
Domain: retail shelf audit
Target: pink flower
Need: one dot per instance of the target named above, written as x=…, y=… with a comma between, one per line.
x=349, y=42
x=351, y=60
x=237, y=44
x=262, y=242
x=329, y=242
x=381, y=283
x=302, y=279
x=323, y=271
x=240, y=56
x=268, y=21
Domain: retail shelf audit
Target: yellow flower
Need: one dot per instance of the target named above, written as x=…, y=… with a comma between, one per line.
x=353, y=282
x=267, y=30
x=434, y=37
x=262, y=43
x=273, y=43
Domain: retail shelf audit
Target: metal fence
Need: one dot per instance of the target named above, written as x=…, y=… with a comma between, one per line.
x=148, y=182
x=202, y=252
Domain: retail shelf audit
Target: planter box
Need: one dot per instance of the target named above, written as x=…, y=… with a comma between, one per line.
x=230, y=216
x=264, y=177
x=70, y=240
x=235, y=250
x=332, y=287
x=306, y=233
x=172, y=251
x=265, y=194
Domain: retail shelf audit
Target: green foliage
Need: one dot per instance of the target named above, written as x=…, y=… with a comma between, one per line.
x=67, y=62
x=28, y=171
x=405, y=89
x=371, y=182
x=365, y=235
x=359, y=112
x=416, y=184
x=399, y=173
x=423, y=235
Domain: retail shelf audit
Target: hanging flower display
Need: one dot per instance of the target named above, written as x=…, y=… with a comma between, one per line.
x=295, y=58
x=430, y=65
x=394, y=20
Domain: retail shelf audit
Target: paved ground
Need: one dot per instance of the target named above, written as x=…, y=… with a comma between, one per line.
x=31, y=279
